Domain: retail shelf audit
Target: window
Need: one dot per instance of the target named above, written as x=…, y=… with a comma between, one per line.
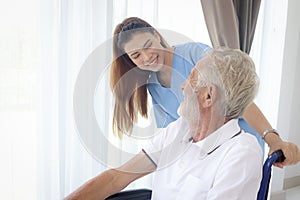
x=18, y=69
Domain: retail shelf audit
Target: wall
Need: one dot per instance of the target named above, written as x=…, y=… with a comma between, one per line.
x=288, y=102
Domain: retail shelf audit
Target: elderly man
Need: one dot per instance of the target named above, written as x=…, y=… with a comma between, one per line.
x=204, y=154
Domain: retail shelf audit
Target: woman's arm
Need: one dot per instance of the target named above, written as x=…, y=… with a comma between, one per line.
x=114, y=180
x=255, y=118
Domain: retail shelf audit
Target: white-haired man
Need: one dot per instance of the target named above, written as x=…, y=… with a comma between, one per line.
x=204, y=154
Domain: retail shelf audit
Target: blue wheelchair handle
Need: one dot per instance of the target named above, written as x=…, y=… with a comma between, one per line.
x=275, y=157
x=280, y=156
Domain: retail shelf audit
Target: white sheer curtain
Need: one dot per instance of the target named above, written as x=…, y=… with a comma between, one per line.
x=18, y=64
x=70, y=31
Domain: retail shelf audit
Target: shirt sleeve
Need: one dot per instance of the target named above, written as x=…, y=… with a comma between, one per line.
x=238, y=176
x=154, y=147
x=164, y=139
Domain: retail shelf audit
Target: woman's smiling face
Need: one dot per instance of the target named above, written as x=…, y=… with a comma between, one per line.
x=146, y=51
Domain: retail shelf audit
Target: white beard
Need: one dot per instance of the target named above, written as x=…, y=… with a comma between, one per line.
x=189, y=109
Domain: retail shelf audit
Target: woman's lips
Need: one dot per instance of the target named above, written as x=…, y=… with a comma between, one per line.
x=155, y=61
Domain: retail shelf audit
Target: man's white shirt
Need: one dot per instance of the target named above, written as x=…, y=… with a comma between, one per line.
x=225, y=165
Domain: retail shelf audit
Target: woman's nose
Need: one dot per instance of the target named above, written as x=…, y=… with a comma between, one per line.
x=146, y=57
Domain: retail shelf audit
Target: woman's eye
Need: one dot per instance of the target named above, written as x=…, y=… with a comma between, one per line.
x=149, y=45
x=136, y=56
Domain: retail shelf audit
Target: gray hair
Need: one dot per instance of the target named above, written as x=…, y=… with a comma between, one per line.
x=233, y=72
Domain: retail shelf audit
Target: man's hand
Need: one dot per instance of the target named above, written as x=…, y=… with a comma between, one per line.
x=290, y=151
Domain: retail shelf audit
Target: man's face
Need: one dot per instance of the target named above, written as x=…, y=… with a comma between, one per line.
x=195, y=97
x=189, y=107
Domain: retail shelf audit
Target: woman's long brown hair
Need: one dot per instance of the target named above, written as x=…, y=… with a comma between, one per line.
x=128, y=83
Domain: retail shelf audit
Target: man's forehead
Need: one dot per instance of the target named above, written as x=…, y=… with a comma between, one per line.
x=201, y=64
x=198, y=67
x=194, y=72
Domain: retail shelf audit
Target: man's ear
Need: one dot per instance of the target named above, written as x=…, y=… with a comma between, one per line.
x=209, y=96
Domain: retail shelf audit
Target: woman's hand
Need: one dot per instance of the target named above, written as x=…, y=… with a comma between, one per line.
x=290, y=151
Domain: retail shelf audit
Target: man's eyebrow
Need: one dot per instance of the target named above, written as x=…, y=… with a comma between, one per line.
x=145, y=44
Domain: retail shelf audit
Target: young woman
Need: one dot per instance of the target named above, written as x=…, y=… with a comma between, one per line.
x=143, y=62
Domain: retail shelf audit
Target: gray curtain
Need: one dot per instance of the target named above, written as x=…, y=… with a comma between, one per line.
x=231, y=23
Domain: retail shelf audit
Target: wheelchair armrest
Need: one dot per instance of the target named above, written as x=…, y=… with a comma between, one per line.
x=138, y=194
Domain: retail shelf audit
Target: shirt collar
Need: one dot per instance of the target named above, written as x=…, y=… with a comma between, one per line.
x=219, y=137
